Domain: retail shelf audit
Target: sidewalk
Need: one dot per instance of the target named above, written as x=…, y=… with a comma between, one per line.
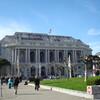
x=26, y=92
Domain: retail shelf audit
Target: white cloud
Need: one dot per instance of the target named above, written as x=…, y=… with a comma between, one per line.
x=95, y=47
x=93, y=32
x=12, y=26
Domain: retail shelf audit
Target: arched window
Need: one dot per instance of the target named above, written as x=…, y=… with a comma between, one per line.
x=62, y=71
x=22, y=56
x=70, y=54
x=32, y=56
x=42, y=56
x=51, y=56
x=52, y=71
x=78, y=55
x=60, y=56
x=43, y=71
x=33, y=71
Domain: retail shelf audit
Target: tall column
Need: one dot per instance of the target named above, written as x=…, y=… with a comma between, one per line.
x=57, y=56
x=37, y=70
x=15, y=55
x=17, y=58
x=13, y=59
x=64, y=54
x=25, y=55
x=28, y=55
x=46, y=56
x=12, y=55
x=73, y=56
x=36, y=59
x=82, y=53
x=38, y=55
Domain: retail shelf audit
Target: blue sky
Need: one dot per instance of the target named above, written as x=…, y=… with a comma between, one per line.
x=77, y=18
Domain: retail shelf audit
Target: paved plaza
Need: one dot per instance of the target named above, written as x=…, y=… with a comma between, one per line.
x=26, y=92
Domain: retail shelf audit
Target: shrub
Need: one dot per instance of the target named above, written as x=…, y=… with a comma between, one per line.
x=97, y=81
x=93, y=81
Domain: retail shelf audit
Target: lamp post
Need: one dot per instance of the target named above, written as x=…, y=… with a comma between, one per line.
x=53, y=64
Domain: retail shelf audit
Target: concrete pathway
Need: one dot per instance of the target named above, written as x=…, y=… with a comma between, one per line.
x=26, y=92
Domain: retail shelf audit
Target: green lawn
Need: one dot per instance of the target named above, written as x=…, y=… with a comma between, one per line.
x=73, y=83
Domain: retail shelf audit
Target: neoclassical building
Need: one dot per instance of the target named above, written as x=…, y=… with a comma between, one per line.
x=33, y=53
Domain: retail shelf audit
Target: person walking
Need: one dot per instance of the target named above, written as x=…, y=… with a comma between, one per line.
x=16, y=83
x=9, y=82
x=37, y=82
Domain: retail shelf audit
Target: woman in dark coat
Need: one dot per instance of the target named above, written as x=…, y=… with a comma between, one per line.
x=16, y=82
x=37, y=82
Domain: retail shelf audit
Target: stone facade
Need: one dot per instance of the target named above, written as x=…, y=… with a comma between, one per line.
x=33, y=53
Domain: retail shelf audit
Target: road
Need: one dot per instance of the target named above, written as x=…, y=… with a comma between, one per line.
x=26, y=92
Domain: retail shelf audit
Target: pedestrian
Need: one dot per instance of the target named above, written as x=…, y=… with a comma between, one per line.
x=16, y=83
x=6, y=80
x=37, y=82
x=20, y=78
x=9, y=82
x=12, y=81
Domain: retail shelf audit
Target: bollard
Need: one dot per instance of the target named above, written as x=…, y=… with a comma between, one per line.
x=1, y=88
x=51, y=88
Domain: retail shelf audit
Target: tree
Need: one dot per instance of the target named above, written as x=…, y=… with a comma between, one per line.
x=96, y=61
x=90, y=59
x=67, y=64
x=4, y=62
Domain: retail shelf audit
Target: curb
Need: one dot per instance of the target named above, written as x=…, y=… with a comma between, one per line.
x=67, y=91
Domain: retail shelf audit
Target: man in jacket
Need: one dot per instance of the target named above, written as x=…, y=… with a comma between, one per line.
x=16, y=82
